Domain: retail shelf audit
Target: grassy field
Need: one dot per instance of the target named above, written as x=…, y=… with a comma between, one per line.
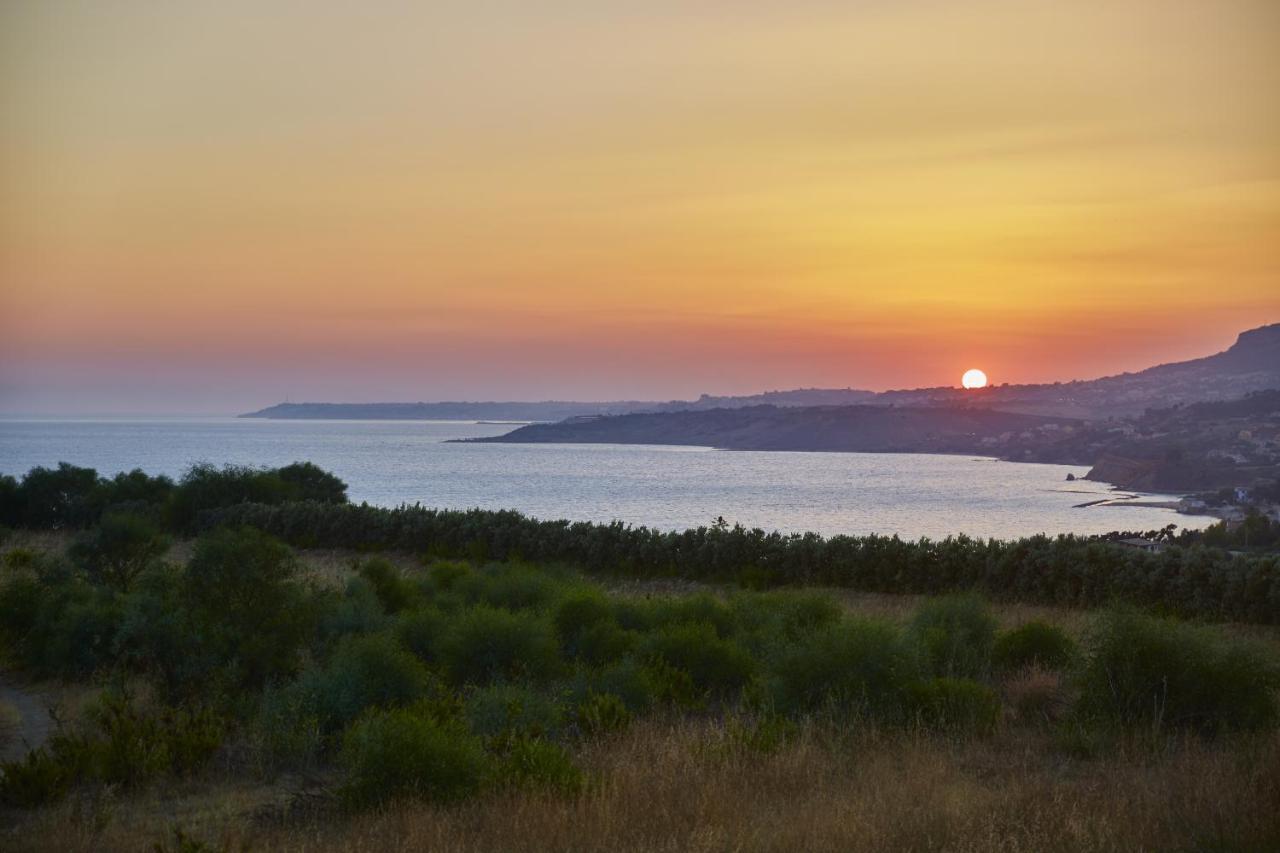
x=717, y=770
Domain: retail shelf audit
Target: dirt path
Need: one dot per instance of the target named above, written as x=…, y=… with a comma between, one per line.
x=34, y=725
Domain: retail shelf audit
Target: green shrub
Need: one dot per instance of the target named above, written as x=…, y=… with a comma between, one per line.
x=444, y=574
x=506, y=710
x=484, y=643
x=702, y=609
x=578, y=612
x=508, y=587
x=365, y=672
x=357, y=610
x=1034, y=644
x=1154, y=672
x=605, y=642
x=388, y=754
x=714, y=664
x=394, y=592
x=850, y=668
x=133, y=746
x=535, y=763
x=602, y=713
x=39, y=778
x=119, y=549
x=955, y=705
x=956, y=634
x=628, y=679
x=422, y=632
x=253, y=613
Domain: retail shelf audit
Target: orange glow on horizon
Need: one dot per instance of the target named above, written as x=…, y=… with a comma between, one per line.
x=440, y=201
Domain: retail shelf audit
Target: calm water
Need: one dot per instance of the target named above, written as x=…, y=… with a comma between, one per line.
x=392, y=462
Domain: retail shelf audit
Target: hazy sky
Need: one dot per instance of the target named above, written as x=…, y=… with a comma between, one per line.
x=210, y=206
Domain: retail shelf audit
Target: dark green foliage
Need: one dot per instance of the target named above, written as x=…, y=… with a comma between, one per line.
x=54, y=623
x=54, y=498
x=365, y=672
x=956, y=705
x=306, y=481
x=1034, y=644
x=1146, y=671
x=255, y=616
x=602, y=713
x=507, y=710
x=356, y=610
x=484, y=644
x=606, y=642
x=578, y=612
x=850, y=668
x=206, y=488
x=422, y=632
x=955, y=634
x=118, y=549
x=1070, y=571
x=509, y=587
x=713, y=664
x=394, y=592
x=536, y=763
x=628, y=679
x=10, y=502
x=389, y=754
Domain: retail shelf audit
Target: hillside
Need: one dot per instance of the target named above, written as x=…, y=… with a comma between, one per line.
x=887, y=429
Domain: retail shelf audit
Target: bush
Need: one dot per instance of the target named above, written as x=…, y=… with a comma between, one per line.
x=393, y=591
x=253, y=614
x=119, y=549
x=955, y=705
x=422, y=632
x=854, y=667
x=54, y=498
x=606, y=642
x=305, y=481
x=1154, y=672
x=578, y=612
x=484, y=644
x=365, y=672
x=508, y=710
x=602, y=713
x=956, y=635
x=1034, y=644
x=535, y=763
x=387, y=754
x=628, y=679
x=714, y=664
x=357, y=610
x=509, y=587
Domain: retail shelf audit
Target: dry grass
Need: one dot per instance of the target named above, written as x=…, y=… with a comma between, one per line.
x=673, y=786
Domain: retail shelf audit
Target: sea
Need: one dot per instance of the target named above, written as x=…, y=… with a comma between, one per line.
x=389, y=463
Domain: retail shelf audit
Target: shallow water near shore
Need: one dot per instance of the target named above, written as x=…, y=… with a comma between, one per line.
x=393, y=462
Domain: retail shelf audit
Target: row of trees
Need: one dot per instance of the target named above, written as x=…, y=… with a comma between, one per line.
x=1195, y=580
x=70, y=497
x=306, y=506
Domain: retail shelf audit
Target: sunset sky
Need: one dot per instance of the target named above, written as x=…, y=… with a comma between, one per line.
x=212, y=206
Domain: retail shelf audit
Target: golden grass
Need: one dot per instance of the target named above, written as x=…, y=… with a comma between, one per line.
x=677, y=785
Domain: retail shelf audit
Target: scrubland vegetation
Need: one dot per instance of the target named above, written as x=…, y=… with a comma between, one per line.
x=460, y=696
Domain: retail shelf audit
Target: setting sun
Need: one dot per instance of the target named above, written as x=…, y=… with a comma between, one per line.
x=974, y=379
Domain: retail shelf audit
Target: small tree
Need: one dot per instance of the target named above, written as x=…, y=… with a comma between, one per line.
x=118, y=550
